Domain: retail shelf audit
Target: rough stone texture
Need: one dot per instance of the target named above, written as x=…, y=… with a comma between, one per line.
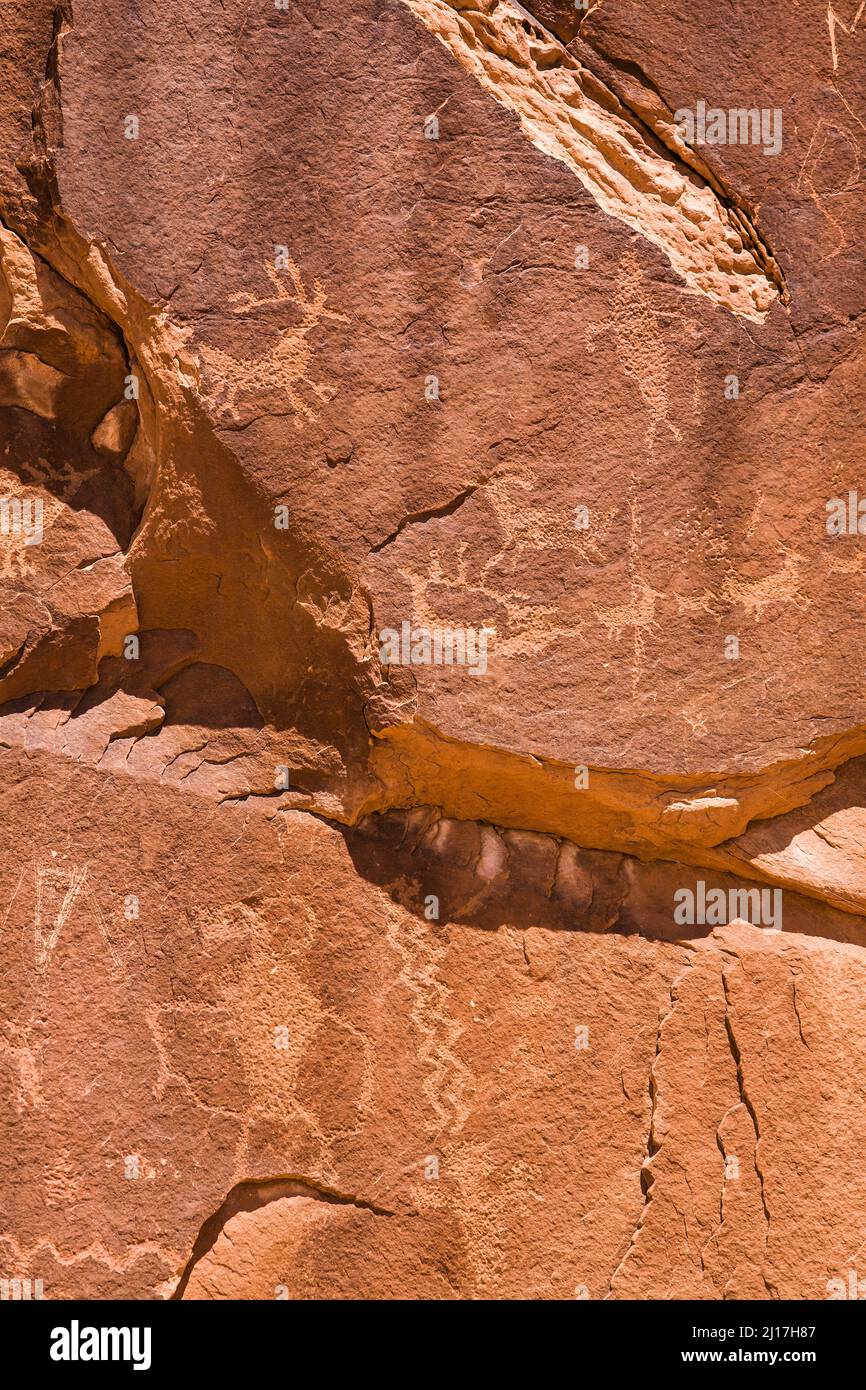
x=326, y=976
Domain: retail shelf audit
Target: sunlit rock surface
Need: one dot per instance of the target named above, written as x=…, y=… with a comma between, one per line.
x=432, y=715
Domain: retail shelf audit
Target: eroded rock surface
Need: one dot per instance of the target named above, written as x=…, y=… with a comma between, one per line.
x=432, y=713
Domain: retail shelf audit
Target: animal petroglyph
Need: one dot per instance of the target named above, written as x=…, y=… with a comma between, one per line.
x=286, y=367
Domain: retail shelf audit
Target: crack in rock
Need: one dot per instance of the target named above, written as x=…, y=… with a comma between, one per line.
x=746, y=1100
x=429, y=513
x=251, y=1195
x=654, y=1142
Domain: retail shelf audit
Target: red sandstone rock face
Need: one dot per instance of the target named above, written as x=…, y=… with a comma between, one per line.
x=431, y=709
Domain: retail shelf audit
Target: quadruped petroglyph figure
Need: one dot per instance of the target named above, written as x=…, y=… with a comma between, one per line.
x=286, y=367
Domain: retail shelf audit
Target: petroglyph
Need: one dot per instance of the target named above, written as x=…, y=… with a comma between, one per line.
x=287, y=367
x=850, y=28
x=449, y=1082
x=56, y=892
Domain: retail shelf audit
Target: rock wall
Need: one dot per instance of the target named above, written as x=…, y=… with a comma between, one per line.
x=432, y=714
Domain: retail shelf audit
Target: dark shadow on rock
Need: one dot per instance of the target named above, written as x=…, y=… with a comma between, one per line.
x=479, y=875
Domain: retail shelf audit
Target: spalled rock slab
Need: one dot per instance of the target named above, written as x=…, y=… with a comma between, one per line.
x=559, y=388
x=270, y=1013
x=247, y=386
